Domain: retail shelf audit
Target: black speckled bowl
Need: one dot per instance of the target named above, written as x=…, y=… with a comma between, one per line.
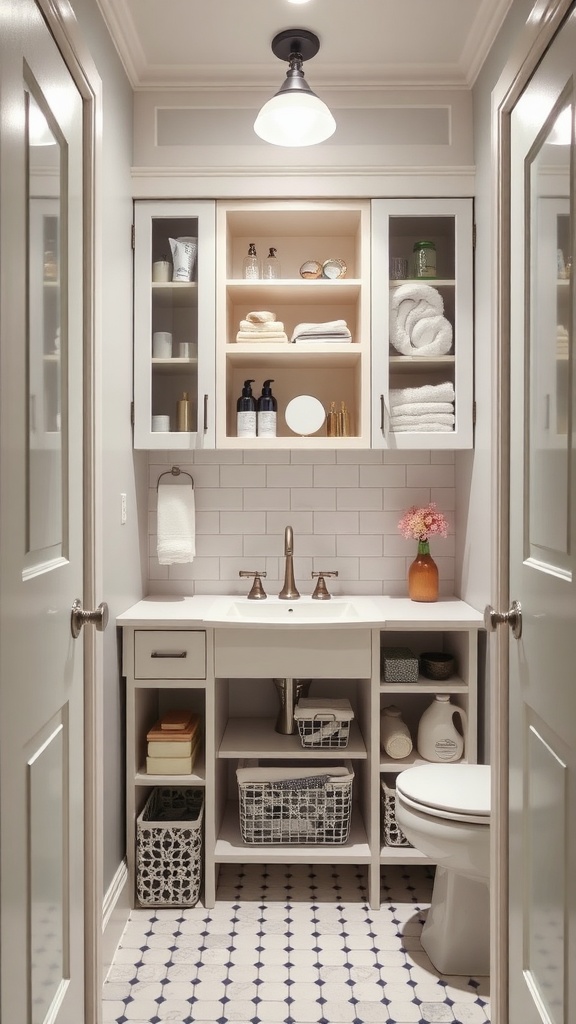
x=437, y=665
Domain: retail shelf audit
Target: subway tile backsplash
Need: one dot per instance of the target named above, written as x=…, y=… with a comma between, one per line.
x=344, y=509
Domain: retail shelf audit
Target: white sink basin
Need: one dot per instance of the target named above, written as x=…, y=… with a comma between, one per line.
x=284, y=611
x=233, y=610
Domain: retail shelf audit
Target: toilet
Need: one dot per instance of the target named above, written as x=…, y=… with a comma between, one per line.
x=444, y=811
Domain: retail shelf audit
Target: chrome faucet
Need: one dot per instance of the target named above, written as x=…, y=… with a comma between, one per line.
x=289, y=591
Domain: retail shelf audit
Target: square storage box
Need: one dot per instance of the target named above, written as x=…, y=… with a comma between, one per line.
x=169, y=848
x=290, y=804
x=323, y=722
x=398, y=665
x=392, y=834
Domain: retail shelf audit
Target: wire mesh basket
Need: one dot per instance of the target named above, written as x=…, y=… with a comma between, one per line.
x=306, y=808
x=169, y=848
x=392, y=834
x=323, y=726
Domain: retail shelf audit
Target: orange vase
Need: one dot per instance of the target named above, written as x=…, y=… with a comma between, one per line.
x=423, y=575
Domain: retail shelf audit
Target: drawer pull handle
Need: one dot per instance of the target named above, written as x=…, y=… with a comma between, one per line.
x=169, y=654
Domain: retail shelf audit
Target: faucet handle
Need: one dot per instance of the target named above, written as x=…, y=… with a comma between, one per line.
x=257, y=590
x=320, y=590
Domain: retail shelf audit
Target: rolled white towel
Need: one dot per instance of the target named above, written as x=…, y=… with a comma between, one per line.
x=427, y=393
x=417, y=324
x=265, y=325
x=430, y=417
x=260, y=316
x=423, y=428
x=421, y=408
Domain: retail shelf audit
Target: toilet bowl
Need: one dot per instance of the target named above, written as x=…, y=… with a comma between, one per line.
x=444, y=811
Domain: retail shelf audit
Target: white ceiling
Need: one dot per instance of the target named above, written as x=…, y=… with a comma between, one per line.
x=211, y=44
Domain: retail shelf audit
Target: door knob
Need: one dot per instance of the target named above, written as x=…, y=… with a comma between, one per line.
x=513, y=617
x=79, y=617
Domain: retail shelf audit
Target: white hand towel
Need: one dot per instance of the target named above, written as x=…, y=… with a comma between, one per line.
x=260, y=316
x=268, y=325
x=333, y=327
x=427, y=417
x=417, y=326
x=176, y=523
x=423, y=428
x=421, y=408
x=427, y=393
x=262, y=336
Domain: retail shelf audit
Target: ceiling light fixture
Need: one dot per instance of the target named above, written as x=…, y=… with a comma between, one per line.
x=295, y=116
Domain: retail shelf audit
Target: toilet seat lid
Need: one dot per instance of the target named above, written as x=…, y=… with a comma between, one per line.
x=456, y=791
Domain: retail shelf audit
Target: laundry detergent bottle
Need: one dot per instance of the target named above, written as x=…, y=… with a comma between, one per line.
x=438, y=738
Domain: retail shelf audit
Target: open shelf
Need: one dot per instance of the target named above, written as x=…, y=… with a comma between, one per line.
x=256, y=737
x=229, y=847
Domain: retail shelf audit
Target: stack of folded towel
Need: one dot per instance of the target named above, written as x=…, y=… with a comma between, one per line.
x=261, y=325
x=428, y=409
x=417, y=324
x=562, y=339
x=331, y=330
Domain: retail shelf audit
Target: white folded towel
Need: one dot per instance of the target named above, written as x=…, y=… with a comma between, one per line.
x=261, y=336
x=417, y=324
x=428, y=417
x=176, y=523
x=312, y=339
x=421, y=408
x=268, y=325
x=427, y=393
x=336, y=328
x=324, y=707
x=423, y=428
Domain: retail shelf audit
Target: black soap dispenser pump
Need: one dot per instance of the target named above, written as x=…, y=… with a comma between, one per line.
x=266, y=412
x=246, y=412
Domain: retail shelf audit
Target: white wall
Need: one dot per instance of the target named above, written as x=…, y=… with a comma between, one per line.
x=122, y=472
x=344, y=508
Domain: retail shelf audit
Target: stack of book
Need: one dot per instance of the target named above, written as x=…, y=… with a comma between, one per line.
x=173, y=743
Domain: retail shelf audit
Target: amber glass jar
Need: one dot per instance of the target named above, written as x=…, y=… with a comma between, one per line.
x=423, y=575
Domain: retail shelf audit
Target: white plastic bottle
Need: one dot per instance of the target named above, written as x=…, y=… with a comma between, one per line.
x=395, y=738
x=438, y=738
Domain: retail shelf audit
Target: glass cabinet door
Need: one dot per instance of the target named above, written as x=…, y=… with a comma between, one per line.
x=422, y=323
x=174, y=325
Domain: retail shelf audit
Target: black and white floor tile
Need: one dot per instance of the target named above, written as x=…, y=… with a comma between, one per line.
x=290, y=945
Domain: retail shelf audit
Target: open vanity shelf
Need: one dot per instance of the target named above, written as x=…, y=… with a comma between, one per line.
x=233, y=690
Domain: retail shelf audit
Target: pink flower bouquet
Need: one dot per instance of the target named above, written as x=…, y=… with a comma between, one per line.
x=422, y=523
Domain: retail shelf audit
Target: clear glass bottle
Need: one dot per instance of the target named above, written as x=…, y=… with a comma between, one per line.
x=271, y=265
x=251, y=264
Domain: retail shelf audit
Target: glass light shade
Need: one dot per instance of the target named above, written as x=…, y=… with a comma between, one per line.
x=294, y=118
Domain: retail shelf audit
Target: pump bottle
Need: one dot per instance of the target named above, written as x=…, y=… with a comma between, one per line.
x=251, y=266
x=246, y=412
x=266, y=411
x=271, y=265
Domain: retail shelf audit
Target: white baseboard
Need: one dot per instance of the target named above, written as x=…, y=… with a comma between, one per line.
x=115, y=914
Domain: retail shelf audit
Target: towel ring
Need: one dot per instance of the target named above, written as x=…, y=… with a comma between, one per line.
x=175, y=471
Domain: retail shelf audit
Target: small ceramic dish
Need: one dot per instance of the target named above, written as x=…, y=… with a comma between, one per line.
x=310, y=270
x=437, y=665
x=333, y=269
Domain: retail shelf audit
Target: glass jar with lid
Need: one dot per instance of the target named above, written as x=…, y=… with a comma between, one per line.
x=424, y=259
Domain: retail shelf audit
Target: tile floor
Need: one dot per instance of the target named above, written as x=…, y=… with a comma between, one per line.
x=290, y=945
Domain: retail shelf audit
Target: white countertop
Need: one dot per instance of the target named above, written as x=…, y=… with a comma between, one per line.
x=210, y=611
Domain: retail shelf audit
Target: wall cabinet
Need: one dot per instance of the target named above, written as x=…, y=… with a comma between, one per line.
x=236, y=695
x=334, y=260
x=403, y=376
x=173, y=327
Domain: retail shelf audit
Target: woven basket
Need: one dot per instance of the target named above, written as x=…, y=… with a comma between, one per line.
x=392, y=834
x=169, y=848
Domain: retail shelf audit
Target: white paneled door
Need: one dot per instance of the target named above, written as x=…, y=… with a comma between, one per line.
x=42, y=326
x=543, y=544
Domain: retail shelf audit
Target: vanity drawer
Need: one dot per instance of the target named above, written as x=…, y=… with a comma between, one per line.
x=169, y=654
